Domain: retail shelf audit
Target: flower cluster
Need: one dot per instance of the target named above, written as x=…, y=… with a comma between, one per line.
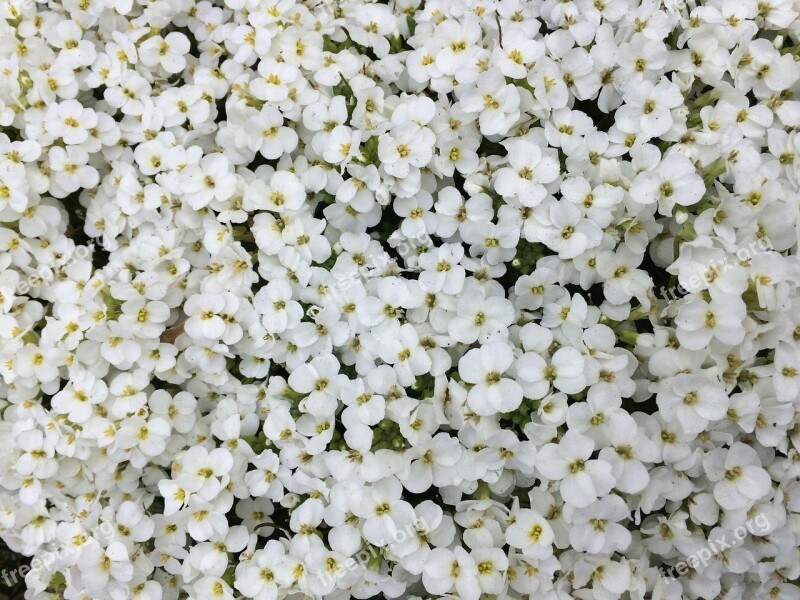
x=289, y=283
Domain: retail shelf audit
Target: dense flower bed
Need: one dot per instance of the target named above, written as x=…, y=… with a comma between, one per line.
x=415, y=299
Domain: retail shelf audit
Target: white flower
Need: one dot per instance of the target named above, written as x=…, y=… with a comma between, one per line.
x=432, y=527
x=211, y=587
x=693, y=400
x=720, y=319
x=531, y=533
x=381, y=507
x=647, y=108
x=211, y=557
x=101, y=566
x=496, y=102
x=608, y=577
x=442, y=271
x=79, y=397
x=530, y=171
x=204, y=319
x=70, y=121
x=434, y=465
x=740, y=479
x=204, y=472
x=569, y=234
x=70, y=171
x=595, y=528
x=622, y=279
x=446, y=570
x=455, y=41
x=492, y=564
x=280, y=312
x=674, y=181
x=256, y=578
x=565, y=372
x=130, y=95
x=319, y=379
x=484, y=367
x=146, y=317
x=169, y=52
x=207, y=181
x=403, y=149
x=403, y=351
x=582, y=480
x=144, y=439
x=480, y=318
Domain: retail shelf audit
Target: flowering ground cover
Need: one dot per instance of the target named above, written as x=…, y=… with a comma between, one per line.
x=470, y=299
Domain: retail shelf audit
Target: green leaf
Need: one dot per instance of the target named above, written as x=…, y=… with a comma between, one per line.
x=412, y=25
